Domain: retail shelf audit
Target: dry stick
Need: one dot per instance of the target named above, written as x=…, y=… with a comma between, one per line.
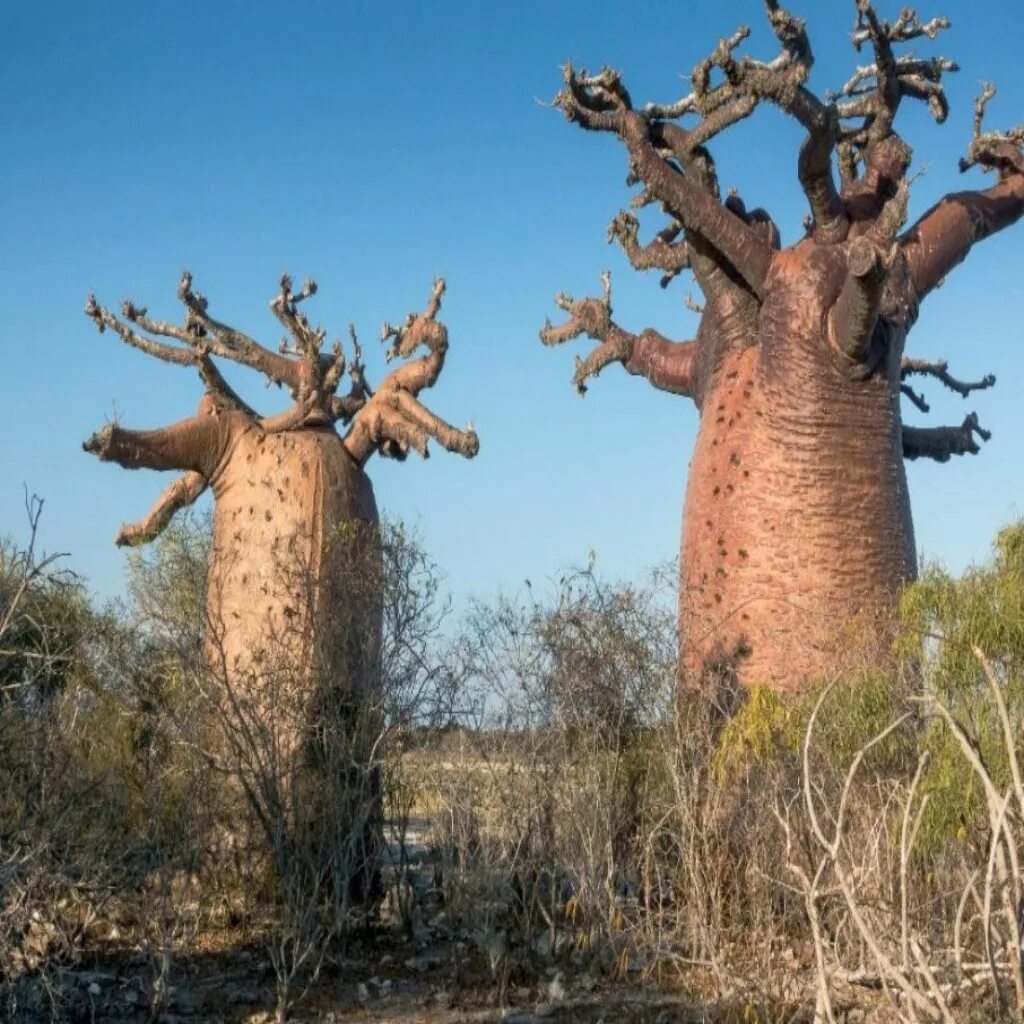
x=1013, y=947
x=907, y=837
x=992, y=795
x=33, y=570
x=929, y=975
x=1008, y=733
x=915, y=999
x=987, y=909
x=1001, y=826
x=1018, y=788
x=969, y=890
x=823, y=998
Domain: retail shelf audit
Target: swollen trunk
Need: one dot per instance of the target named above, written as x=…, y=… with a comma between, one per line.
x=797, y=533
x=295, y=568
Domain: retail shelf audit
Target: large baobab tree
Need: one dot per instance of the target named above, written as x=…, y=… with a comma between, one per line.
x=797, y=516
x=294, y=576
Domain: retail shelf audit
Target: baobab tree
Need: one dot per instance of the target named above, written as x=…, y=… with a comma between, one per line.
x=797, y=515
x=294, y=600
x=285, y=487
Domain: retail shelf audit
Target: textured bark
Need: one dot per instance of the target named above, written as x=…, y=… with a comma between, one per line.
x=294, y=515
x=797, y=535
x=797, y=516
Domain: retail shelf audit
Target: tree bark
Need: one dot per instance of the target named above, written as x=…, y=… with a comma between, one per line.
x=294, y=557
x=797, y=516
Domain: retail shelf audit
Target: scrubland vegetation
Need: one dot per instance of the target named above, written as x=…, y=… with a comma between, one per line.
x=547, y=828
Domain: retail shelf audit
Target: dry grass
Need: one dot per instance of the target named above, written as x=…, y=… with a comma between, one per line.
x=559, y=833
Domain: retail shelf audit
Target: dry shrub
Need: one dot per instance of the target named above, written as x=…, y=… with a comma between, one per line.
x=147, y=797
x=855, y=847
x=774, y=852
x=99, y=807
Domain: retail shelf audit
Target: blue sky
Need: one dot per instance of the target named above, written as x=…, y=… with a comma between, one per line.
x=373, y=146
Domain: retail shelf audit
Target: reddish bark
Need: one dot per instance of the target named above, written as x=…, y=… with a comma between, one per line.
x=797, y=517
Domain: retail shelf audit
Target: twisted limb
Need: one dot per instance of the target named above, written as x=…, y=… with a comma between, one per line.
x=392, y=420
x=945, y=234
x=181, y=493
x=668, y=365
x=941, y=443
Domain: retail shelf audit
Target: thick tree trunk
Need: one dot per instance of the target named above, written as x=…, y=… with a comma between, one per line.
x=295, y=566
x=797, y=533
x=294, y=611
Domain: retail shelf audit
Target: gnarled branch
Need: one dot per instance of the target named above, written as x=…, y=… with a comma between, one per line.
x=392, y=420
x=939, y=369
x=668, y=365
x=231, y=343
x=312, y=377
x=783, y=83
x=944, y=235
x=940, y=443
x=181, y=493
x=894, y=77
x=601, y=103
x=662, y=253
x=993, y=150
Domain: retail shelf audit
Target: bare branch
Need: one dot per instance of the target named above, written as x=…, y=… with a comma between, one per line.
x=918, y=79
x=312, y=377
x=993, y=150
x=103, y=319
x=906, y=28
x=939, y=369
x=592, y=317
x=915, y=397
x=181, y=493
x=943, y=236
x=391, y=420
x=893, y=77
x=893, y=974
x=601, y=103
x=307, y=341
x=782, y=82
x=940, y=443
x=394, y=422
x=663, y=253
x=234, y=344
x=223, y=396
x=196, y=444
x=345, y=407
x=738, y=243
x=666, y=364
x=462, y=442
x=1009, y=733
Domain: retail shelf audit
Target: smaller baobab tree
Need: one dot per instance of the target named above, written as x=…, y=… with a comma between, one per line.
x=797, y=515
x=294, y=583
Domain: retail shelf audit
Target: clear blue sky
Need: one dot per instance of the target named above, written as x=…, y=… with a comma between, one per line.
x=373, y=146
